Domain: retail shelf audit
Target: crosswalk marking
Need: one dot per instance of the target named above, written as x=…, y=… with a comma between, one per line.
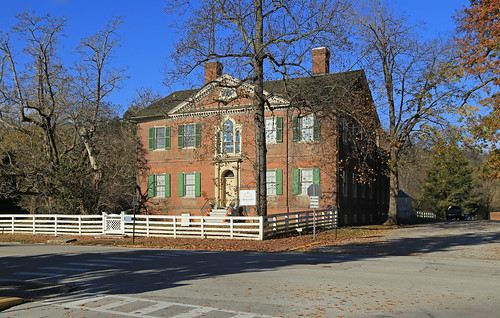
x=90, y=302
x=196, y=312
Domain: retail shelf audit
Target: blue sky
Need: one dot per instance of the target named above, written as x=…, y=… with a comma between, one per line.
x=146, y=39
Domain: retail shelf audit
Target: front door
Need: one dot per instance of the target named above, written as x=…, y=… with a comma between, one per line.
x=228, y=188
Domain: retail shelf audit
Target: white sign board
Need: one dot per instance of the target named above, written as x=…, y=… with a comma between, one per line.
x=314, y=202
x=248, y=197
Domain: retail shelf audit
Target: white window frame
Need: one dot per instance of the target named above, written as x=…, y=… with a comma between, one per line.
x=303, y=182
x=270, y=126
x=271, y=181
x=189, y=139
x=236, y=138
x=189, y=187
x=159, y=141
x=159, y=185
x=306, y=131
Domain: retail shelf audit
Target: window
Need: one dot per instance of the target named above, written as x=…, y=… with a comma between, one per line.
x=189, y=184
x=159, y=138
x=303, y=178
x=274, y=129
x=274, y=181
x=189, y=136
x=159, y=185
x=227, y=93
x=228, y=138
x=344, y=183
x=344, y=132
x=305, y=128
x=354, y=185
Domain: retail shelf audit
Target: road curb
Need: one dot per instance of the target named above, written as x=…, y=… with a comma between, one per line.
x=8, y=302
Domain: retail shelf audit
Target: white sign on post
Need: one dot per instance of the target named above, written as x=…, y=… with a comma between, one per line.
x=314, y=202
x=248, y=197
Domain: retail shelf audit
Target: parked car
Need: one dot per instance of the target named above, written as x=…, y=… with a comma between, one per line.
x=455, y=212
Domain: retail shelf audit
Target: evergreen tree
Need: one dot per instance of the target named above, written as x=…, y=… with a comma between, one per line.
x=449, y=182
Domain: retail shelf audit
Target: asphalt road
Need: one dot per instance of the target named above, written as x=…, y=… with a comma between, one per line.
x=448, y=269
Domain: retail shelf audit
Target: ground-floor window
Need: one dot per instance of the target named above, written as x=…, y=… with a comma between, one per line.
x=274, y=181
x=303, y=178
x=189, y=184
x=159, y=185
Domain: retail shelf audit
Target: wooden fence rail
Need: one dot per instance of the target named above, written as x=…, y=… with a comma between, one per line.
x=227, y=227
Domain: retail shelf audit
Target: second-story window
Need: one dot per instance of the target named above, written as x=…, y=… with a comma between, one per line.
x=189, y=136
x=305, y=128
x=274, y=129
x=229, y=138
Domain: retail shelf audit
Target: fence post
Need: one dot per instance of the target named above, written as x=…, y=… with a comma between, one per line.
x=34, y=224
x=12, y=225
x=103, y=222
x=79, y=225
x=147, y=226
x=55, y=225
x=202, y=227
x=175, y=226
x=261, y=228
x=231, y=227
x=286, y=222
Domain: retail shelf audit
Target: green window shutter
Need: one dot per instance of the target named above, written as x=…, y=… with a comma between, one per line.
x=167, y=185
x=279, y=181
x=197, y=184
x=279, y=129
x=295, y=181
x=180, y=184
x=316, y=128
x=295, y=128
x=180, y=136
x=151, y=185
x=151, y=138
x=316, y=176
x=167, y=137
x=198, y=135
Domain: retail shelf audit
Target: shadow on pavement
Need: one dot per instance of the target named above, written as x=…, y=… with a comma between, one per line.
x=170, y=268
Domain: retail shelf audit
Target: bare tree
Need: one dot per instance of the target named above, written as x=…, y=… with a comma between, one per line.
x=35, y=89
x=96, y=80
x=409, y=76
x=258, y=40
x=54, y=115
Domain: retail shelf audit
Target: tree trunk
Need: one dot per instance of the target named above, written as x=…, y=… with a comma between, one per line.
x=392, y=217
x=259, y=107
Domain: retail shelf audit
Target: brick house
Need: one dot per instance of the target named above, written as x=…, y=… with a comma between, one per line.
x=199, y=145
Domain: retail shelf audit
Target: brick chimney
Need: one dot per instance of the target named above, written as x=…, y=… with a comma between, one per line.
x=320, y=61
x=212, y=71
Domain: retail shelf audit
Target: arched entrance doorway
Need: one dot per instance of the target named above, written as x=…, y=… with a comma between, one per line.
x=228, y=188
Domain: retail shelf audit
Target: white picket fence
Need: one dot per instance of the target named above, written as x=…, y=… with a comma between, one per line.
x=228, y=227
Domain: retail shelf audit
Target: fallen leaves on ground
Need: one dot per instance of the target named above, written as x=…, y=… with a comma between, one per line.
x=292, y=243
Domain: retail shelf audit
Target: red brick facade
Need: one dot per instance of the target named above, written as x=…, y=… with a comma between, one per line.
x=199, y=149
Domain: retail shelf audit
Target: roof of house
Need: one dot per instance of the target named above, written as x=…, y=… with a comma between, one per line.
x=320, y=89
